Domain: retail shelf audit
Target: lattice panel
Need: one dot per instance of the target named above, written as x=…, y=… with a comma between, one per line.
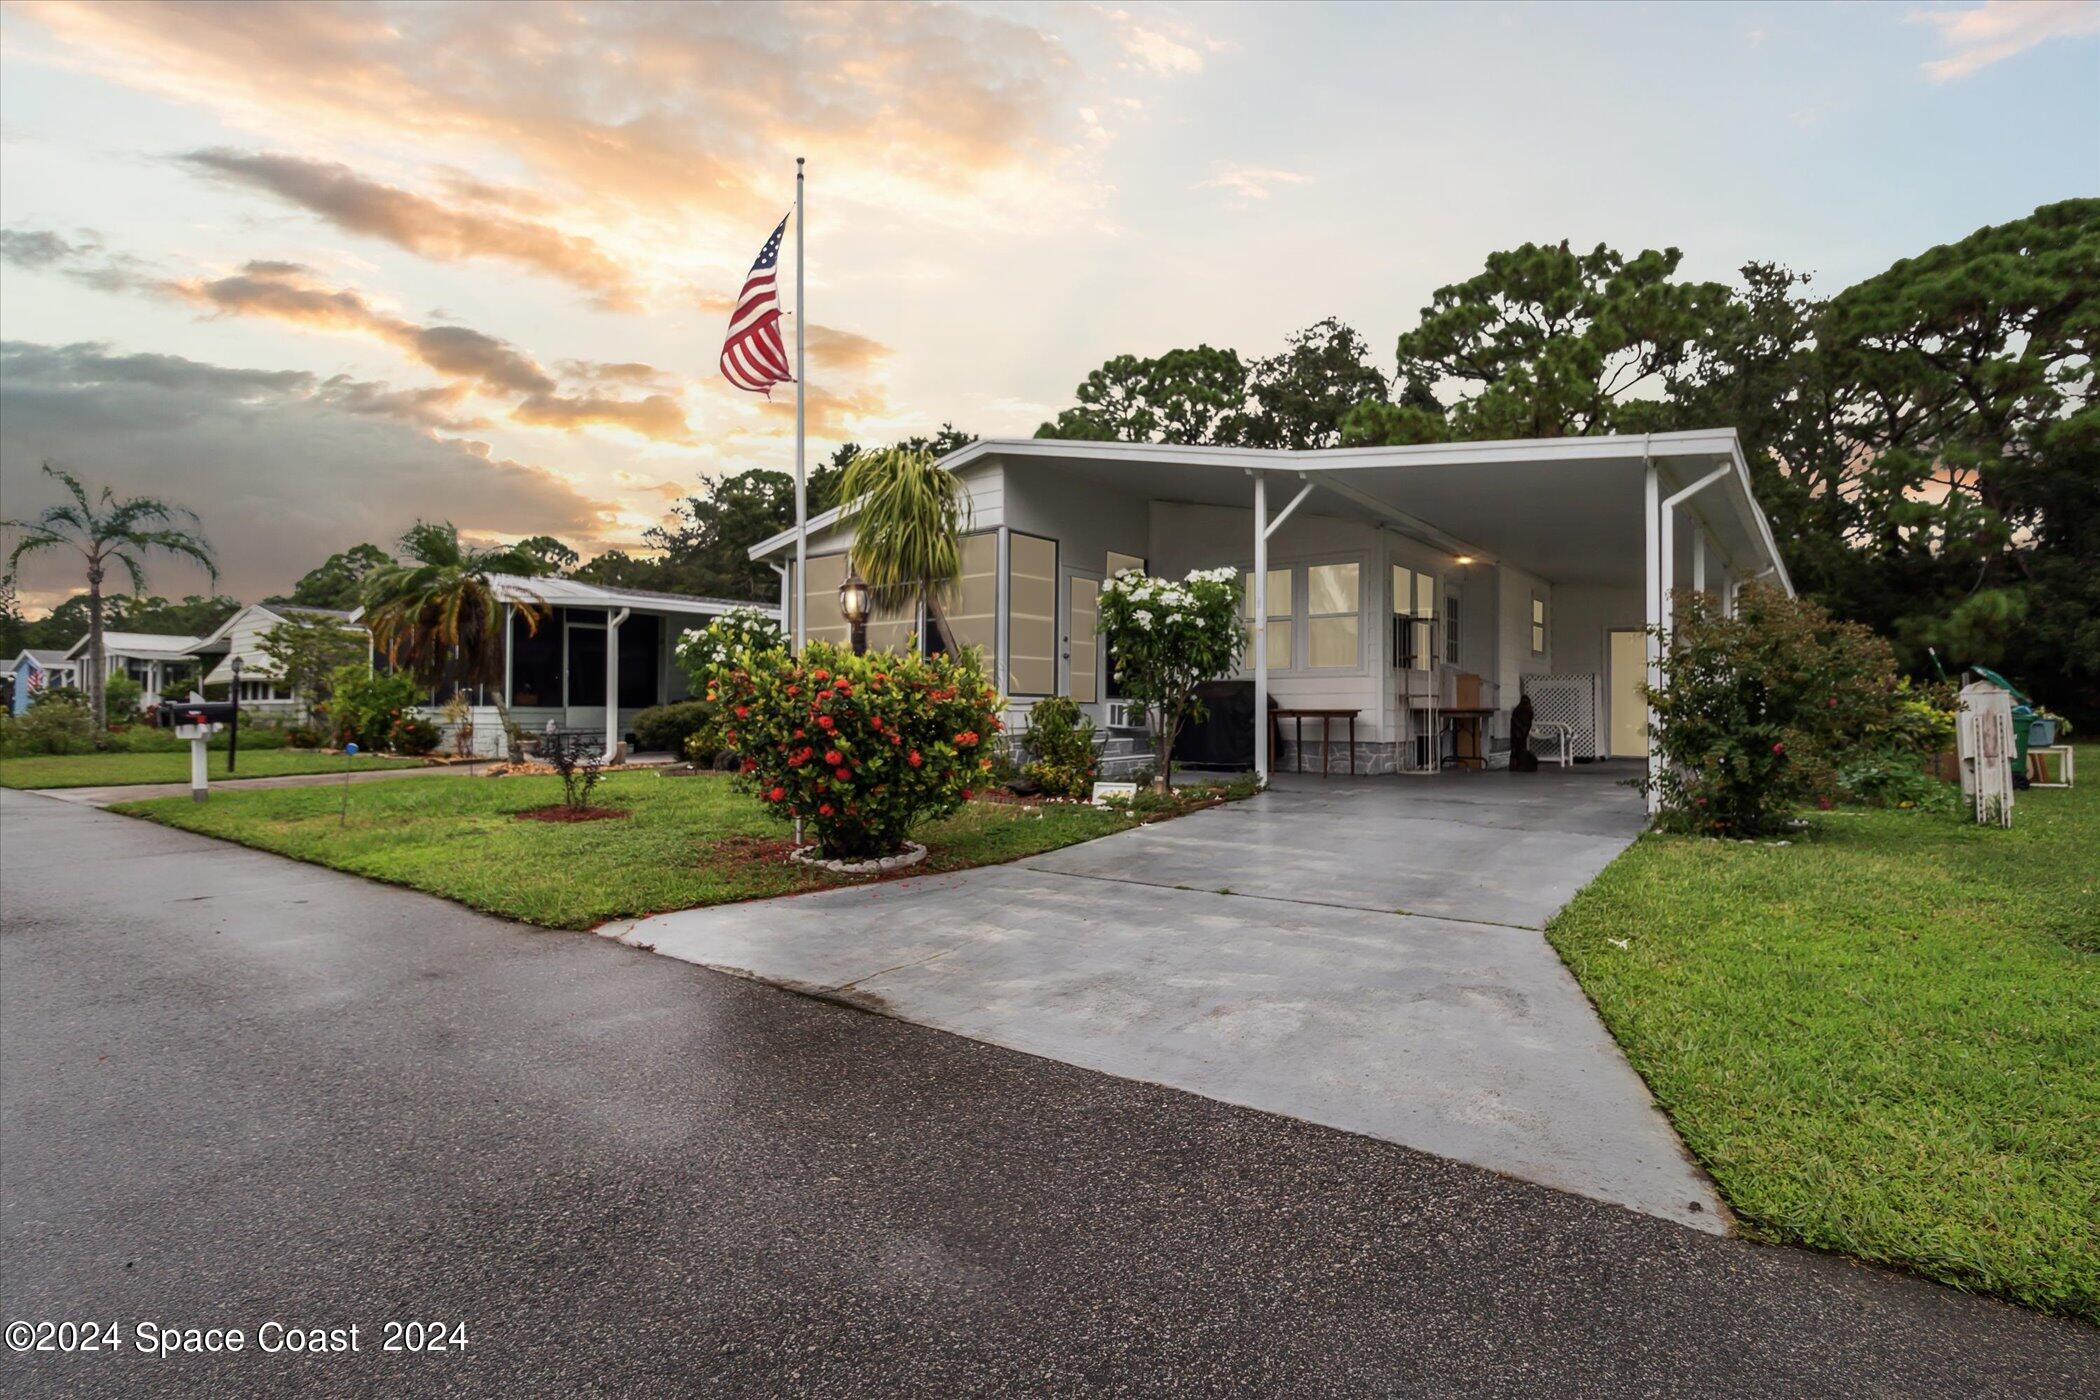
x=1568, y=698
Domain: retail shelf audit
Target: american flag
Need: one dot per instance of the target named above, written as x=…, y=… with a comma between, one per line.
x=753, y=357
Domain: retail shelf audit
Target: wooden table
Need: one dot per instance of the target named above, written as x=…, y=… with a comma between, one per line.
x=1326, y=719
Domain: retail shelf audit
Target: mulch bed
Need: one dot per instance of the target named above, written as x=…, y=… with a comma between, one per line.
x=559, y=813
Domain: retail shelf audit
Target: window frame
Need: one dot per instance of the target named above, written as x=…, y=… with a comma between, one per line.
x=1355, y=666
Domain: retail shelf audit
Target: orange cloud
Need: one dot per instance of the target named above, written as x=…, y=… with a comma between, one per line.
x=282, y=292
x=652, y=117
x=424, y=226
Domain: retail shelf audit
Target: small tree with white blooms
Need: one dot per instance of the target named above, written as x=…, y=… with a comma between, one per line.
x=703, y=653
x=1167, y=638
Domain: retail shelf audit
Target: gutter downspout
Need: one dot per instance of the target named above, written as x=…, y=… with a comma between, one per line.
x=1261, y=626
x=612, y=681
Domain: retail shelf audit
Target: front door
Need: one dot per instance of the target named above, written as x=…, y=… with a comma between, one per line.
x=1080, y=656
x=1629, y=712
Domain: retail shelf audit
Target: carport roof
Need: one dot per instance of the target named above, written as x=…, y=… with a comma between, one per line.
x=1570, y=509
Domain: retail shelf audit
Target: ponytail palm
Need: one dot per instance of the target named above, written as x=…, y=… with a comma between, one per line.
x=104, y=530
x=437, y=614
x=907, y=529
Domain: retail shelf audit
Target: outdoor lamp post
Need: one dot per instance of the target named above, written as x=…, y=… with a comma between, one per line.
x=854, y=601
x=233, y=732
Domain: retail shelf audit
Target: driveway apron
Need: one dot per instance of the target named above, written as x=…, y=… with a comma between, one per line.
x=1364, y=955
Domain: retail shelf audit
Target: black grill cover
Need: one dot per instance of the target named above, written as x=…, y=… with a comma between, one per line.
x=1226, y=738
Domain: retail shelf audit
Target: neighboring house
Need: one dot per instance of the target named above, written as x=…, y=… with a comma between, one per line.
x=161, y=663
x=36, y=669
x=591, y=641
x=1426, y=588
x=241, y=635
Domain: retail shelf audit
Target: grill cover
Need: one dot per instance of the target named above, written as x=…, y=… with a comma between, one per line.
x=1226, y=738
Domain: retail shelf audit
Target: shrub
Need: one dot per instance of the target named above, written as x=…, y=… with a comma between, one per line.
x=709, y=651
x=1758, y=712
x=580, y=760
x=58, y=721
x=412, y=735
x=1060, y=744
x=363, y=705
x=863, y=748
x=1168, y=638
x=667, y=728
x=123, y=698
x=303, y=736
x=713, y=652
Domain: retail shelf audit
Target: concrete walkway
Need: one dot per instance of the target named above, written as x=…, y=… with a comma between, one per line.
x=1254, y=954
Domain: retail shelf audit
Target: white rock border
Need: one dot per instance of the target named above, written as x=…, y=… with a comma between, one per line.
x=912, y=854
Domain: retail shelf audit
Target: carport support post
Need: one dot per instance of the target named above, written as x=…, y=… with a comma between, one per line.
x=612, y=680
x=1651, y=494
x=1261, y=627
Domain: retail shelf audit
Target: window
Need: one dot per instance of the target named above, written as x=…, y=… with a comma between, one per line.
x=535, y=661
x=1282, y=608
x=1333, y=610
x=1451, y=627
x=1031, y=600
x=641, y=649
x=1414, y=619
x=974, y=614
x=586, y=663
x=1538, y=625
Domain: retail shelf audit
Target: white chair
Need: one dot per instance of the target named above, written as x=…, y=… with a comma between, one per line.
x=1553, y=741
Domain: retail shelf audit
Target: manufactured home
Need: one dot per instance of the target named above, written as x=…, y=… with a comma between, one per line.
x=590, y=642
x=36, y=669
x=240, y=638
x=1419, y=591
x=162, y=663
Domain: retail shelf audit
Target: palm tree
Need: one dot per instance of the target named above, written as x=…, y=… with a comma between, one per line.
x=907, y=529
x=437, y=614
x=109, y=529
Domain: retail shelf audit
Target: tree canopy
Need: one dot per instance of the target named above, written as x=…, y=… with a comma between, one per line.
x=1925, y=441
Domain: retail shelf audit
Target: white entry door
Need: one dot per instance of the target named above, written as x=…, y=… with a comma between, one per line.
x=1629, y=712
x=1079, y=659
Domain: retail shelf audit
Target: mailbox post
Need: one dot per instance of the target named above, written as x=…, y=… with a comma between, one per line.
x=196, y=720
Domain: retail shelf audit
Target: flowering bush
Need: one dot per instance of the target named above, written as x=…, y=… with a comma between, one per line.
x=1168, y=638
x=1761, y=713
x=863, y=748
x=412, y=736
x=704, y=653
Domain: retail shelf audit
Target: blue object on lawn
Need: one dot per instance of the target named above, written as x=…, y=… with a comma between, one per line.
x=350, y=750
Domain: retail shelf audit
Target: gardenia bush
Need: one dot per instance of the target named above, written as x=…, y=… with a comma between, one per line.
x=1760, y=713
x=861, y=748
x=706, y=652
x=1168, y=638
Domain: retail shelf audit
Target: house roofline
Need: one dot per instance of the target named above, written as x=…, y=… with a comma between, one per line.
x=1696, y=442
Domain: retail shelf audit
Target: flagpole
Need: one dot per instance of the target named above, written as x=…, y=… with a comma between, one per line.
x=801, y=600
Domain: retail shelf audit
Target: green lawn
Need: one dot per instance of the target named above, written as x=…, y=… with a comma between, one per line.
x=688, y=841
x=115, y=769
x=1883, y=1038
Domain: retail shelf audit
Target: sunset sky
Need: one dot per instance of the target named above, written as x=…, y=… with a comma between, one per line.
x=318, y=270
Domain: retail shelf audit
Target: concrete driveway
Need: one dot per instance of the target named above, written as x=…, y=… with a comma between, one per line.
x=1363, y=954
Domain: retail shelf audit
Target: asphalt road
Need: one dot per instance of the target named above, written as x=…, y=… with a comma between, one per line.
x=234, y=1089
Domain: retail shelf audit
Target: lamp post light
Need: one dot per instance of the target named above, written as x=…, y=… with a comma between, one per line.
x=855, y=600
x=233, y=731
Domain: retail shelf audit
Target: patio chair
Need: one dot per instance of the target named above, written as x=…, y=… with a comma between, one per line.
x=1553, y=741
